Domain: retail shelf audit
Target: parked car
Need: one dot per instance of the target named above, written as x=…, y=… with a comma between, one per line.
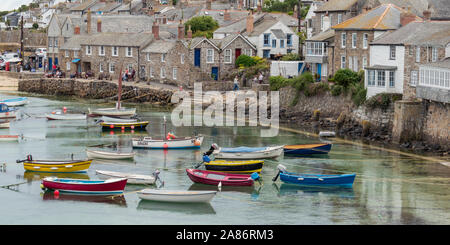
x=41, y=52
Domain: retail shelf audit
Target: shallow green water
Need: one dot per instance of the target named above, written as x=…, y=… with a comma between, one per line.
x=389, y=188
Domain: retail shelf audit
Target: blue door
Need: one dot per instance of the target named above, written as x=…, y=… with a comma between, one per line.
x=266, y=53
x=56, y=60
x=50, y=64
x=215, y=72
x=319, y=70
x=197, y=57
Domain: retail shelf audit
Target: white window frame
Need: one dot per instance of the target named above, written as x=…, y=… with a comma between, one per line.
x=162, y=72
x=75, y=54
x=392, y=52
x=365, y=40
x=115, y=51
x=174, y=73
x=111, y=67
x=343, y=62
x=417, y=54
x=321, y=21
x=434, y=54
x=354, y=40
x=68, y=66
x=129, y=52
x=56, y=42
x=88, y=50
x=182, y=58
x=163, y=57
x=148, y=57
x=343, y=39
x=210, y=57
x=371, y=78
x=339, y=19
x=355, y=63
x=101, y=50
x=227, y=56
x=364, y=62
x=100, y=67
x=350, y=63
x=391, y=79
x=151, y=72
x=66, y=53
x=381, y=82
x=414, y=79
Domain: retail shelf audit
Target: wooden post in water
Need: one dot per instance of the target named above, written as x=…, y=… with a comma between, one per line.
x=119, y=95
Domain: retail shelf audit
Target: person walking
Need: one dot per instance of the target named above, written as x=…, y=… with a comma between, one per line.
x=260, y=78
x=236, y=83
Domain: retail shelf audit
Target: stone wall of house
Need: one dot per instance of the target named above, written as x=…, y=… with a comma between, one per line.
x=359, y=52
x=409, y=91
x=436, y=128
x=226, y=68
x=316, y=20
x=206, y=67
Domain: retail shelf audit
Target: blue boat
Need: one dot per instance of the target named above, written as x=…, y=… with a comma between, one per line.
x=318, y=180
x=6, y=112
x=307, y=149
x=15, y=102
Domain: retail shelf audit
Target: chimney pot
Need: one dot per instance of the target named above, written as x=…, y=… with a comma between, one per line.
x=189, y=33
x=99, y=25
x=250, y=23
x=427, y=14
x=155, y=30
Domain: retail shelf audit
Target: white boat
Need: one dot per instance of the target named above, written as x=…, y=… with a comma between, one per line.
x=132, y=178
x=6, y=112
x=109, y=155
x=9, y=137
x=248, y=152
x=176, y=196
x=174, y=143
x=113, y=111
x=116, y=119
x=327, y=134
x=16, y=101
x=4, y=124
x=65, y=116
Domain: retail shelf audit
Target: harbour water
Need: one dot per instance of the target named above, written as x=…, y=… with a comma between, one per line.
x=390, y=188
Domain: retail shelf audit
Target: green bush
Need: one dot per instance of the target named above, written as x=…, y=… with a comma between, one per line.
x=336, y=90
x=316, y=89
x=346, y=77
x=278, y=82
x=290, y=57
x=245, y=61
x=202, y=26
x=382, y=100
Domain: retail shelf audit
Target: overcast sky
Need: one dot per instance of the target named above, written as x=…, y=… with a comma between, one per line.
x=12, y=4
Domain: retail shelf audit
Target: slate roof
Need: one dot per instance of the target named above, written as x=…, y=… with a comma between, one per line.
x=118, y=39
x=74, y=43
x=336, y=5
x=279, y=34
x=440, y=64
x=426, y=33
x=114, y=23
x=159, y=46
x=383, y=17
x=323, y=36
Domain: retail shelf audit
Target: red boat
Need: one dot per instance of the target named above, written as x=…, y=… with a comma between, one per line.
x=214, y=178
x=82, y=186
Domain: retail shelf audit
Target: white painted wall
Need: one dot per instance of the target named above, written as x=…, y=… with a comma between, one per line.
x=259, y=40
x=284, y=68
x=379, y=55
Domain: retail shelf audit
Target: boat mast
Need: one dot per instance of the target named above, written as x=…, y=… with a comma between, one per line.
x=119, y=96
x=165, y=127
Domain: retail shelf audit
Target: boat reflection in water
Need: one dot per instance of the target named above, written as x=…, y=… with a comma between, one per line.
x=252, y=190
x=114, y=162
x=30, y=176
x=110, y=199
x=187, y=208
x=291, y=189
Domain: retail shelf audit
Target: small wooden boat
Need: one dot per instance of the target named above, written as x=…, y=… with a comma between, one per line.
x=109, y=154
x=176, y=196
x=320, y=180
x=6, y=112
x=248, y=152
x=55, y=166
x=132, y=178
x=4, y=124
x=117, y=119
x=15, y=101
x=243, y=166
x=141, y=125
x=214, y=178
x=327, y=134
x=172, y=143
x=81, y=186
x=306, y=149
x=65, y=116
x=122, y=111
x=9, y=137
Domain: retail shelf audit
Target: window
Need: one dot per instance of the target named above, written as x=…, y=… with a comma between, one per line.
x=130, y=67
x=210, y=56
x=248, y=52
x=353, y=40
x=371, y=78
x=88, y=50
x=266, y=53
x=339, y=18
x=414, y=78
x=391, y=79
x=129, y=52
x=151, y=72
x=182, y=58
x=274, y=43
x=67, y=66
x=66, y=53
x=50, y=42
x=343, y=39
x=163, y=57
x=289, y=40
x=381, y=79
x=266, y=39
x=100, y=67
x=111, y=68
x=101, y=50
x=163, y=72
x=148, y=56
x=75, y=54
x=56, y=42
x=342, y=62
x=364, y=64
x=281, y=43
x=355, y=63
x=434, y=54
x=417, y=54
x=392, y=52
x=316, y=48
x=115, y=51
x=365, y=40
x=321, y=22
x=350, y=63
x=174, y=73
x=227, y=55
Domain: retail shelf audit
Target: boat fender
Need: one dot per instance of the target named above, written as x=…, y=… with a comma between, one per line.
x=206, y=158
x=165, y=146
x=196, y=142
x=255, y=176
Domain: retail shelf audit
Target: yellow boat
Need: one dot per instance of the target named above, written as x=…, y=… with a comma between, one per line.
x=56, y=166
x=244, y=166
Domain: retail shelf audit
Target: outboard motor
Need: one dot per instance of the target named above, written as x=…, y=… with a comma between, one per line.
x=281, y=169
x=29, y=158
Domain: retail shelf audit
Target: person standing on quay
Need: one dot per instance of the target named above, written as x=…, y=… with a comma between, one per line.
x=236, y=83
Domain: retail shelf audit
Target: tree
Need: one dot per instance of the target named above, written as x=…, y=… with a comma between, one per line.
x=35, y=26
x=202, y=26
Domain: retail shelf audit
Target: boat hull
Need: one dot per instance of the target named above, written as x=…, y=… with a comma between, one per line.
x=4, y=125
x=66, y=116
x=109, y=155
x=8, y=114
x=137, y=179
x=124, y=125
x=307, y=149
x=176, y=196
x=9, y=137
x=113, y=111
x=214, y=178
x=57, y=166
x=338, y=180
x=15, y=102
x=235, y=166
x=79, y=186
x=270, y=152
x=177, y=143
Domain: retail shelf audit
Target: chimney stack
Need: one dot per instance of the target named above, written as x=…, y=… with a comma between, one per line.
x=155, y=30
x=406, y=17
x=88, y=29
x=208, y=4
x=250, y=22
x=181, y=31
x=227, y=15
x=99, y=25
x=76, y=30
x=189, y=33
x=426, y=15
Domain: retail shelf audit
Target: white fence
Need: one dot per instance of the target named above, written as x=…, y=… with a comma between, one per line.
x=286, y=68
